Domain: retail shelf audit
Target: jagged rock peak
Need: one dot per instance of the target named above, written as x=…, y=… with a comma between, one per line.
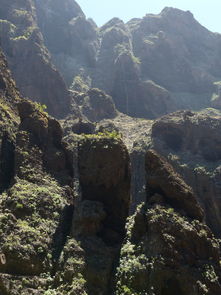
x=52, y=8
x=115, y=21
x=171, y=11
x=167, y=12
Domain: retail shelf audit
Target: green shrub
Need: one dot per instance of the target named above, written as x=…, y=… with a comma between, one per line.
x=41, y=107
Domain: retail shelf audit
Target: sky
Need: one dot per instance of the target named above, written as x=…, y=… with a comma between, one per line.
x=207, y=12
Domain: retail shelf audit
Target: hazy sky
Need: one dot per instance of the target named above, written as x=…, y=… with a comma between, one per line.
x=207, y=12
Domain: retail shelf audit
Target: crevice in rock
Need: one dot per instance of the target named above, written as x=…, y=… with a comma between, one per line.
x=172, y=287
x=61, y=235
x=7, y=150
x=138, y=180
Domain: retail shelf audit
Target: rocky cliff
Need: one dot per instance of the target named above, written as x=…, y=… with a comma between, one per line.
x=191, y=142
x=105, y=201
x=158, y=63
x=149, y=66
x=55, y=237
x=29, y=59
x=162, y=243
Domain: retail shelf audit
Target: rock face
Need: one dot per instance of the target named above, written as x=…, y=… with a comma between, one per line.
x=118, y=73
x=100, y=216
x=161, y=246
x=33, y=195
x=68, y=222
x=9, y=121
x=95, y=105
x=28, y=58
x=172, y=55
x=69, y=36
x=149, y=66
x=191, y=142
x=66, y=243
x=161, y=178
x=159, y=255
x=46, y=133
x=110, y=181
x=184, y=59
x=216, y=97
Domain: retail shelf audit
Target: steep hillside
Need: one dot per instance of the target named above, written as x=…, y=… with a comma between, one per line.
x=158, y=63
x=9, y=121
x=57, y=216
x=29, y=59
x=150, y=66
x=71, y=39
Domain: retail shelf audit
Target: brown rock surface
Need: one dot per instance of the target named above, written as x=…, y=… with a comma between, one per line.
x=191, y=142
x=109, y=183
x=96, y=105
x=45, y=134
x=162, y=179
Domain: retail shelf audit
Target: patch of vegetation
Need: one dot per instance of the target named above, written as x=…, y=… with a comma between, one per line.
x=81, y=83
x=27, y=230
x=121, y=49
x=136, y=59
x=5, y=108
x=106, y=134
x=26, y=34
x=217, y=83
x=41, y=107
x=20, y=13
x=7, y=27
x=209, y=273
x=214, y=97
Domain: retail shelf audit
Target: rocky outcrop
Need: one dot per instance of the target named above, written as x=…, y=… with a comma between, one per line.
x=28, y=58
x=166, y=252
x=52, y=239
x=69, y=36
x=172, y=55
x=115, y=39
x=110, y=181
x=154, y=49
x=216, y=97
x=164, y=183
x=9, y=121
x=99, y=221
x=151, y=67
x=191, y=142
x=77, y=126
x=118, y=73
x=33, y=193
x=95, y=105
x=44, y=134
